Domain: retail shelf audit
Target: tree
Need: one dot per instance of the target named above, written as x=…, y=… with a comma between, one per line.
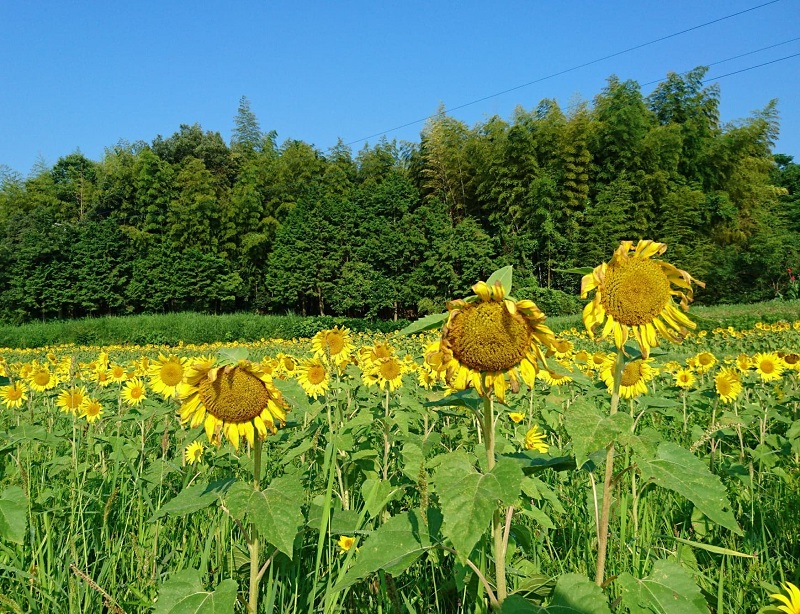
x=247, y=137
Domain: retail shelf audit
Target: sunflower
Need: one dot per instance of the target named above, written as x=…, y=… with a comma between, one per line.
x=134, y=392
x=286, y=365
x=235, y=400
x=635, y=376
x=792, y=361
x=516, y=417
x=386, y=372
x=704, y=361
x=72, y=400
x=535, y=440
x=487, y=339
x=14, y=394
x=684, y=378
x=791, y=602
x=551, y=378
x=371, y=354
x=345, y=542
x=634, y=294
x=335, y=344
x=41, y=379
x=743, y=362
x=769, y=366
x=194, y=452
x=166, y=375
x=728, y=385
x=313, y=376
x=92, y=410
x=118, y=373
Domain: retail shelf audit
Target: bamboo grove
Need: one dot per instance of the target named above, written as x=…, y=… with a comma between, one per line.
x=189, y=222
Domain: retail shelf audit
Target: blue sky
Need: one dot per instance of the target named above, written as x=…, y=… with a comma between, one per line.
x=86, y=74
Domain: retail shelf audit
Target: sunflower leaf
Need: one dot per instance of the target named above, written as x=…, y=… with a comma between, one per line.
x=504, y=276
x=463, y=398
x=13, y=514
x=591, y=430
x=669, y=589
x=183, y=593
x=194, y=498
x=677, y=469
x=574, y=594
x=232, y=355
x=427, y=323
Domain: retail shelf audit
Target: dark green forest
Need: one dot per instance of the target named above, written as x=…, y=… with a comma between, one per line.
x=190, y=222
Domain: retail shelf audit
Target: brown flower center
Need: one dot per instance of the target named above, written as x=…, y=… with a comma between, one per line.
x=632, y=373
x=636, y=290
x=487, y=337
x=236, y=396
x=316, y=374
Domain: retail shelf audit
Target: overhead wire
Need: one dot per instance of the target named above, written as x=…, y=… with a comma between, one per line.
x=568, y=70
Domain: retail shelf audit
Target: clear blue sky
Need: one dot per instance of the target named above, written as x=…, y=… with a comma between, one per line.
x=86, y=74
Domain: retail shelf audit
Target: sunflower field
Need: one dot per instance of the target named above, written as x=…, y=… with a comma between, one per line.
x=476, y=461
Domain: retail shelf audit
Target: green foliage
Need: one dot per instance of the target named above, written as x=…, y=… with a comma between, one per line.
x=13, y=514
x=183, y=593
x=669, y=589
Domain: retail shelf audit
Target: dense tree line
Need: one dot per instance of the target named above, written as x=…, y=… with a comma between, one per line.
x=190, y=222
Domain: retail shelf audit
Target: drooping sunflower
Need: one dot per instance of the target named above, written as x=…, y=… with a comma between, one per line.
x=491, y=338
x=792, y=361
x=633, y=294
x=551, y=378
x=635, y=375
x=335, y=344
x=166, y=375
x=790, y=601
x=769, y=366
x=684, y=378
x=286, y=365
x=134, y=392
x=14, y=394
x=727, y=385
x=314, y=377
x=234, y=400
x=535, y=440
x=72, y=400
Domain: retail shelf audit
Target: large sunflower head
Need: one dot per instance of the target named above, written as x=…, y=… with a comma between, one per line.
x=488, y=337
x=335, y=344
x=633, y=294
x=236, y=401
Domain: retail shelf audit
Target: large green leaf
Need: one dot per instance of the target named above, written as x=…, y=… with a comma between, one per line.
x=194, y=498
x=13, y=514
x=395, y=545
x=468, y=498
x=669, y=589
x=590, y=430
x=276, y=512
x=463, y=398
x=677, y=469
x=183, y=593
x=574, y=594
x=504, y=276
x=427, y=323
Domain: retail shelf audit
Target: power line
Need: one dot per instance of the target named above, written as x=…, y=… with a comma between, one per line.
x=572, y=69
x=736, y=72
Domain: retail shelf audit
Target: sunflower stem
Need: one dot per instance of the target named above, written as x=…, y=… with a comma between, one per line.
x=605, y=512
x=255, y=576
x=497, y=531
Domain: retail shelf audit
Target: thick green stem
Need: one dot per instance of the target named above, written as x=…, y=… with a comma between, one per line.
x=255, y=578
x=605, y=511
x=497, y=531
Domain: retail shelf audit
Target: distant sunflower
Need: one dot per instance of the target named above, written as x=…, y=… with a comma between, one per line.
x=117, y=373
x=743, y=362
x=536, y=440
x=234, y=400
x=335, y=344
x=313, y=376
x=634, y=295
x=635, y=376
x=491, y=338
x=194, y=452
x=134, y=392
x=727, y=385
x=704, y=361
x=92, y=410
x=684, y=378
x=387, y=373
x=769, y=366
x=551, y=378
x=72, y=400
x=14, y=394
x=286, y=365
x=166, y=375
